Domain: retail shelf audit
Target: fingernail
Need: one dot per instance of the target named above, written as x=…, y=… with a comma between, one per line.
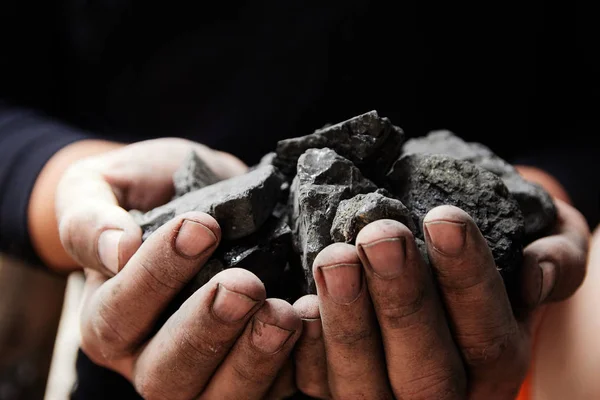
x=230, y=306
x=343, y=282
x=548, y=279
x=312, y=327
x=193, y=239
x=446, y=237
x=269, y=338
x=386, y=256
x=108, y=249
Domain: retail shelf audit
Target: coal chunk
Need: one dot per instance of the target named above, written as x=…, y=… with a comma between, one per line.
x=192, y=175
x=539, y=211
x=423, y=182
x=266, y=253
x=369, y=141
x=354, y=214
x=323, y=180
x=240, y=204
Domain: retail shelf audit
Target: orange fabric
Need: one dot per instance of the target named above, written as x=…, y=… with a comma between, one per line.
x=525, y=392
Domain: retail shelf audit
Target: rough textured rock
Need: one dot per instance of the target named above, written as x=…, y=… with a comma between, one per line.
x=354, y=214
x=369, y=141
x=338, y=179
x=265, y=253
x=240, y=204
x=323, y=180
x=193, y=174
x=423, y=182
x=539, y=211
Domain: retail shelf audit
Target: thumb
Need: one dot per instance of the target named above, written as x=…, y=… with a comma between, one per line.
x=555, y=266
x=94, y=230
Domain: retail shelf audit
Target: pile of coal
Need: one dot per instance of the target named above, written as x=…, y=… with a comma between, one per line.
x=325, y=187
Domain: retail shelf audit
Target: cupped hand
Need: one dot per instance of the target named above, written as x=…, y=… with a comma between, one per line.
x=386, y=325
x=94, y=194
x=224, y=340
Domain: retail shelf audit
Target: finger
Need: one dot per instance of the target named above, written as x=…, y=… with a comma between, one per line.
x=179, y=360
x=147, y=182
x=476, y=302
x=422, y=359
x=93, y=229
x=555, y=266
x=123, y=311
x=309, y=354
x=285, y=384
x=355, y=362
x=259, y=354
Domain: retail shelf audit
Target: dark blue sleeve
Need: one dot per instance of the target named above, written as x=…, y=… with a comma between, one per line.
x=27, y=141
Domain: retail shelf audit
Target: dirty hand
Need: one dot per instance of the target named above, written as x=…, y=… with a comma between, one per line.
x=226, y=339
x=386, y=325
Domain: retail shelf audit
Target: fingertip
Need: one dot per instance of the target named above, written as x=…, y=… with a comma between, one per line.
x=130, y=242
x=562, y=264
x=447, y=213
x=241, y=281
x=336, y=253
x=531, y=286
x=275, y=326
x=549, y=274
x=279, y=313
x=383, y=229
x=450, y=231
x=204, y=219
x=307, y=307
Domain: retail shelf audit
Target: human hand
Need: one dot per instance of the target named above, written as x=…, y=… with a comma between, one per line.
x=94, y=194
x=226, y=339
x=392, y=327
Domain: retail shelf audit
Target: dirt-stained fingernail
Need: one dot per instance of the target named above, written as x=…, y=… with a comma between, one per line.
x=269, y=338
x=386, y=256
x=193, y=239
x=230, y=306
x=343, y=282
x=108, y=249
x=447, y=237
x=548, y=279
x=312, y=327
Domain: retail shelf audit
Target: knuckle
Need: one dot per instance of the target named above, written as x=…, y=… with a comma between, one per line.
x=348, y=337
x=489, y=350
x=199, y=350
x=70, y=230
x=105, y=339
x=159, y=280
x=400, y=310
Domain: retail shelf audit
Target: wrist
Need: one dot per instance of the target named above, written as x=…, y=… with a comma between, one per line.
x=42, y=224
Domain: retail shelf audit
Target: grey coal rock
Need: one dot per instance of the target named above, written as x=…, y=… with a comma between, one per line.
x=369, y=141
x=323, y=180
x=325, y=187
x=240, y=204
x=536, y=204
x=423, y=181
x=192, y=175
x=354, y=214
x=267, y=253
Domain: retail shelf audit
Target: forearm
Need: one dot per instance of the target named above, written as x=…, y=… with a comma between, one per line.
x=42, y=223
x=34, y=149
